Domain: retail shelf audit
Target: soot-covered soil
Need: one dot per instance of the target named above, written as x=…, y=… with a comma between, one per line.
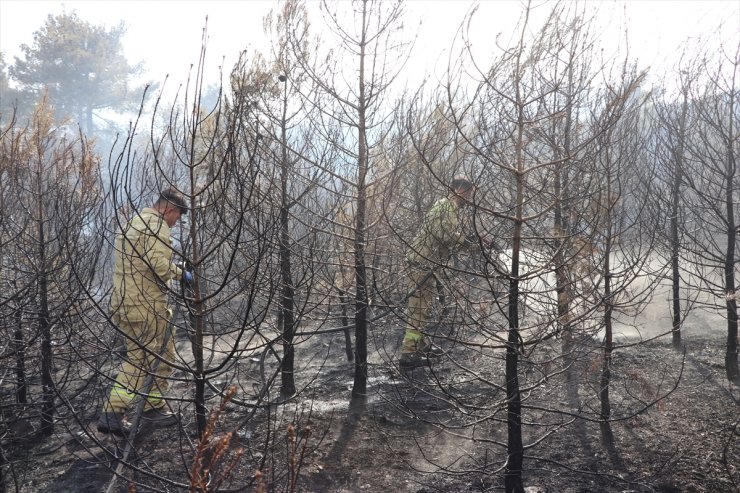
x=674, y=429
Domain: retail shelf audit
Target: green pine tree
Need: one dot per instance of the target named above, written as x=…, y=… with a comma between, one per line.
x=10, y=98
x=81, y=65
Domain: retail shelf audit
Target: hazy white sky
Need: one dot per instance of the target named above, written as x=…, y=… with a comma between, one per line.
x=166, y=35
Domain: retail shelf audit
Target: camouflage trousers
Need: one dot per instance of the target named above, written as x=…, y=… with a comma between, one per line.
x=423, y=282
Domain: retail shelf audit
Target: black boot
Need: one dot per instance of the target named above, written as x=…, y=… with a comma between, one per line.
x=114, y=423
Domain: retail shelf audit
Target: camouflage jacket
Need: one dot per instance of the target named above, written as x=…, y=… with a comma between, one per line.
x=439, y=236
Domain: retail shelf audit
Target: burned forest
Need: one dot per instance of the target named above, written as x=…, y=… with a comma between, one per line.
x=518, y=275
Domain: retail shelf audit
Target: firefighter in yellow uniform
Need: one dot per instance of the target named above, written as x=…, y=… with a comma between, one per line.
x=143, y=266
x=439, y=236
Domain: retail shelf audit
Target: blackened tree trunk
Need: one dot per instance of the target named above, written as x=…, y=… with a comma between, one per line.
x=515, y=448
x=47, y=381
x=608, y=344
x=675, y=209
x=197, y=320
x=287, y=292
x=564, y=288
x=624, y=226
x=731, y=363
x=675, y=269
x=359, y=387
x=608, y=303
x=19, y=347
x=357, y=97
x=711, y=175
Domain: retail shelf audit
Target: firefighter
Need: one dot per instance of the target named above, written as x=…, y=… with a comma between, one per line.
x=438, y=238
x=139, y=308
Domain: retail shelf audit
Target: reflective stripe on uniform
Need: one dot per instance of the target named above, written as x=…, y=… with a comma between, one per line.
x=121, y=393
x=154, y=398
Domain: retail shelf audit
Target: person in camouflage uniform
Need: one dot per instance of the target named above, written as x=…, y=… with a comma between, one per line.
x=440, y=235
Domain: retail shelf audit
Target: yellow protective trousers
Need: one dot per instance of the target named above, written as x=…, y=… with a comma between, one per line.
x=144, y=341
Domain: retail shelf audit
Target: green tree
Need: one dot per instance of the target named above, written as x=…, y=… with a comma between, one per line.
x=4, y=89
x=81, y=65
x=10, y=98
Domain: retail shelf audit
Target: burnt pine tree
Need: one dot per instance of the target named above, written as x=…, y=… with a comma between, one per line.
x=365, y=41
x=672, y=121
x=210, y=156
x=623, y=226
x=712, y=178
x=225, y=160
x=55, y=185
x=529, y=126
x=283, y=111
x=500, y=121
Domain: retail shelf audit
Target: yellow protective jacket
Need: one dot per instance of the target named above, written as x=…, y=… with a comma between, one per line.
x=142, y=268
x=439, y=235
